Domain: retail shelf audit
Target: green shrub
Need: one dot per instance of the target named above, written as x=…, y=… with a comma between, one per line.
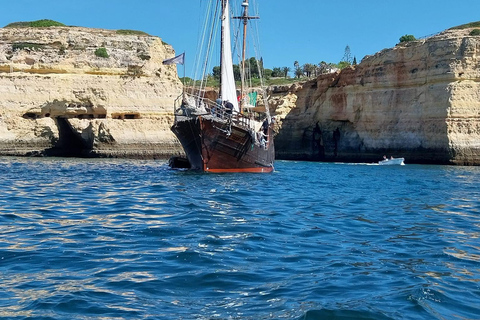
x=101, y=52
x=475, y=32
x=35, y=24
x=27, y=45
x=407, y=38
x=343, y=64
x=132, y=32
x=46, y=23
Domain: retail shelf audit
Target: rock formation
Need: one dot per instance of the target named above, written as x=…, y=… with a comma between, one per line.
x=419, y=100
x=58, y=97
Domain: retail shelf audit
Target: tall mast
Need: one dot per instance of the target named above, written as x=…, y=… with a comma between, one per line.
x=222, y=32
x=244, y=49
x=245, y=17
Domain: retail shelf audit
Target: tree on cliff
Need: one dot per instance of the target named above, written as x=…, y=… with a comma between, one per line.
x=346, y=60
x=277, y=72
x=324, y=67
x=298, y=72
x=267, y=73
x=298, y=69
x=347, y=56
x=280, y=72
x=407, y=38
x=308, y=69
x=252, y=66
x=343, y=64
x=216, y=72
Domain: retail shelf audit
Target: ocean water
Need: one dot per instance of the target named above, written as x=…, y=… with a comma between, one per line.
x=124, y=239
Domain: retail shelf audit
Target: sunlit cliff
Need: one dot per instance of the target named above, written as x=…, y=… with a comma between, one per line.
x=58, y=97
x=419, y=100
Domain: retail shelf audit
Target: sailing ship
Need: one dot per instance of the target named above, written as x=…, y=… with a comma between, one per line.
x=226, y=134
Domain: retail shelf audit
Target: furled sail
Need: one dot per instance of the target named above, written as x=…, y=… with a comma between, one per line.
x=227, y=90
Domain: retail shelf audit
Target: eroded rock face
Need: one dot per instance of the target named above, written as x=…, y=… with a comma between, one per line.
x=420, y=101
x=122, y=104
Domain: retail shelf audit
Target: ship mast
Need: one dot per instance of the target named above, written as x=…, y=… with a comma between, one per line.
x=227, y=79
x=245, y=17
x=222, y=32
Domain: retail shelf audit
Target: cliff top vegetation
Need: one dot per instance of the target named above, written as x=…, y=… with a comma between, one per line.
x=44, y=23
x=467, y=25
x=131, y=32
x=35, y=24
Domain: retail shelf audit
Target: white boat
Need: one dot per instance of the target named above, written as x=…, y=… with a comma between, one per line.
x=392, y=162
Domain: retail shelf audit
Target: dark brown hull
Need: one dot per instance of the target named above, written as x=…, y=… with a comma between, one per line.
x=213, y=145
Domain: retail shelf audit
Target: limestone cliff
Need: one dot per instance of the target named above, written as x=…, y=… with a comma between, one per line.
x=58, y=97
x=420, y=100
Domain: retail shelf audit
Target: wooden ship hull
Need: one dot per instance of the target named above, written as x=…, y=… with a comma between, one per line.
x=213, y=144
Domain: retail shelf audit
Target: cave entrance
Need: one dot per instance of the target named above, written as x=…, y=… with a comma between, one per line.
x=70, y=143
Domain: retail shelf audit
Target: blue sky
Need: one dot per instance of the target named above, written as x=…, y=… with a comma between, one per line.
x=308, y=31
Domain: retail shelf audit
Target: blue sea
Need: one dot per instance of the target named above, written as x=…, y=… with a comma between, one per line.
x=127, y=239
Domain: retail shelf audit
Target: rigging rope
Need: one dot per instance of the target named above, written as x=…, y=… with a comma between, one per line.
x=207, y=42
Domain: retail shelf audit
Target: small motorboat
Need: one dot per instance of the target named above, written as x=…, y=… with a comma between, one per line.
x=392, y=162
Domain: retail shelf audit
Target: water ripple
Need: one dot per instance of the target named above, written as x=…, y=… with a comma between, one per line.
x=121, y=239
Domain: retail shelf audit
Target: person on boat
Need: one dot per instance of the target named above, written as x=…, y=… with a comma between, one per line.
x=263, y=133
x=265, y=126
x=385, y=157
x=260, y=138
x=183, y=106
x=228, y=107
x=218, y=106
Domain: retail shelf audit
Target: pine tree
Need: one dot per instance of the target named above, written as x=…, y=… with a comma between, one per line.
x=347, y=57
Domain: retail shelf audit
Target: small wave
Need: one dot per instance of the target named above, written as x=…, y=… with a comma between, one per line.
x=342, y=314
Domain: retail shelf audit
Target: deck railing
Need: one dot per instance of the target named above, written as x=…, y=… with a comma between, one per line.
x=189, y=105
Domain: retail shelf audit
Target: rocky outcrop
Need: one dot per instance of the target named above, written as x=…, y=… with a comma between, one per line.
x=57, y=97
x=420, y=100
